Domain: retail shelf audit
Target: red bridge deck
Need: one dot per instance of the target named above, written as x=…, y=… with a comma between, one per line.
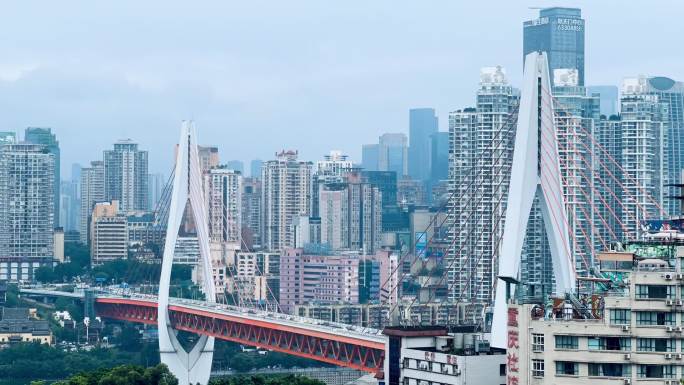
x=342, y=349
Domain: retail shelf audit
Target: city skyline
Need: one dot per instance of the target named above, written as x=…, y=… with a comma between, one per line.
x=381, y=187
x=235, y=91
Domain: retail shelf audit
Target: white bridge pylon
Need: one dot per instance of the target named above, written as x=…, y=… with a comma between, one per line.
x=535, y=173
x=195, y=366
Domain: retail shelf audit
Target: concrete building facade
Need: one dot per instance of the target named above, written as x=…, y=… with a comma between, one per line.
x=92, y=192
x=317, y=279
x=126, y=176
x=109, y=233
x=26, y=210
x=223, y=195
x=630, y=334
x=286, y=193
x=480, y=162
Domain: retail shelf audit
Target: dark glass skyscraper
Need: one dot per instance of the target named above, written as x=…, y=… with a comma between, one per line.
x=422, y=124
x=560, y=33
x=369, y=157
x=439, y=163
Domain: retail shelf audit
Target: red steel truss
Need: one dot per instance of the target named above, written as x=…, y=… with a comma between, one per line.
x=321, y=346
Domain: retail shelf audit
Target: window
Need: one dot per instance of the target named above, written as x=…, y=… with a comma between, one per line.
x=537, y=342
x=609, y=370
x=654, y=318
x=609, y=343
x=538, y=368
x=656, y=371
x=655, y=345
x=620, y=317
x=655, y=292
x=502, y=369
x=566, y=342
x=566, y=368
x=422, y=365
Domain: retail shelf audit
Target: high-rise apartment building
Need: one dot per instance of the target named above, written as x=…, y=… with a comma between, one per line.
x=393, y=153
x=126, y=178
x=251, y=212
x=92, y=192
x=45, y=137
x=108, y=233
x=26, y=210
x=286, y=193
x=422, y=125
x=575, y=116
x=670, y=95
x=645, y=155
x=351, y=214
x=223, y=190
x=208, y=157
x=560, y=33
x=330, y=170
x=608, y=134
x=480, y=161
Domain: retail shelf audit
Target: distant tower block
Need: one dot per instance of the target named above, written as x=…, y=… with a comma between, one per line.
x=195, y=366
x=535, y=173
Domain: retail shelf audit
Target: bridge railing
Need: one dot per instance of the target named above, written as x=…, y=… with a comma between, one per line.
x=249, y=312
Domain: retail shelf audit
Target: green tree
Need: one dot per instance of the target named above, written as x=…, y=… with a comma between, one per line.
x=129, y=339
x=243, y=362
x=76, y=310
x=78, y=254
x=45, y=274
x=124, y=375
x=12, y=295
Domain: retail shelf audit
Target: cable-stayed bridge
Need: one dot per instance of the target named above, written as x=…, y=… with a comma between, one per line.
x=544, y=129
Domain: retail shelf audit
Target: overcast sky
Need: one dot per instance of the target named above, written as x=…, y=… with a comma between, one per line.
x=260, y=76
